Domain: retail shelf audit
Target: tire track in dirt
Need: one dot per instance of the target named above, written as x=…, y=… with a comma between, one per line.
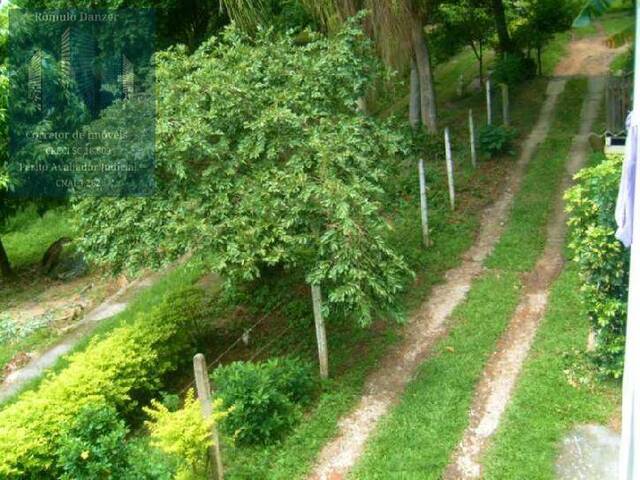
x=429, y=323
x=501, y=373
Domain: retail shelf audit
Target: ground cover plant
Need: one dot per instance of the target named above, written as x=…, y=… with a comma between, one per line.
x=122, y=371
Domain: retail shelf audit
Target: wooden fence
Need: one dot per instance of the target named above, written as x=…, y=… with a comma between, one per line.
x=618, y=101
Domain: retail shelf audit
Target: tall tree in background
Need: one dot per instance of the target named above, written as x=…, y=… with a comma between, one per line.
x=505, y=42
x=469, y=22
x=396, y=27
x=540, y=21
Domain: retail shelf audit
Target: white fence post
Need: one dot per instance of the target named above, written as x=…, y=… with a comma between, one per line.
x=447, y=149
x=505, y=104
x=489, y=109
x=472, y=139
x=424, y=209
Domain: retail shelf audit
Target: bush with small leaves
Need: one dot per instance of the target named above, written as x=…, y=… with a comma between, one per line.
x=122, y=370
x=603, y=262
x=94, y=446
x=265, y=398
x=496, y=140
x=184, y=434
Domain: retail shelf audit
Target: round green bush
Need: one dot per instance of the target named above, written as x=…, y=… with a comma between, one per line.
x=94, y=446
x=496, y=140
x=265, y=398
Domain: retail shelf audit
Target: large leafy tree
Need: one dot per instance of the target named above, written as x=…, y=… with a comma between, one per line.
x=263, y=162
x=505, y=42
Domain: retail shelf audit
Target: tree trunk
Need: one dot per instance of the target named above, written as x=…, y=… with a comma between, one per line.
x=425, y=75
x=504, y=39
x=414, y=96
x=539, y=61
x=480, y=63
x=5, y=267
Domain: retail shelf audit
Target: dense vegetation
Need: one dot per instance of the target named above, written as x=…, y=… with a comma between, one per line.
x=273, y=166
x=603, y=262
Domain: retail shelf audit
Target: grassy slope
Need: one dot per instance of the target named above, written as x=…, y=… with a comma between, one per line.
x=181, y=276
x=354, y=352
x=452, y=236
x=418, y=437
x=545, y=405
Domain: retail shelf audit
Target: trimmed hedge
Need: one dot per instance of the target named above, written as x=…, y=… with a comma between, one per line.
x=603, y=262
x=122, y=370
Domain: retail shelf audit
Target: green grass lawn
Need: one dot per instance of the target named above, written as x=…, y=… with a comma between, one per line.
x=545, y=404
x=416, y=440
x=524, y=238
x=27, y=235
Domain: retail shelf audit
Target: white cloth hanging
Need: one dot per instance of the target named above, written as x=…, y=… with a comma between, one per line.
x=628, y=232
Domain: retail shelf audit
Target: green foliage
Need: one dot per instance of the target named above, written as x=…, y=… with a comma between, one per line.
x=184, y=434
x=603, y=263
x=466, y=22
x=540, y=20
x=120, y=371
x=177, y=21
x=495, y=140
x=94, y=446
x=262, y=162
x=590, y=10
x=513, y=69
x=264, y=398
x=547, y=403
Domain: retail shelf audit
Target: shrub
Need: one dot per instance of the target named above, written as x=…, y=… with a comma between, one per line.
x=602, y=261
x=120, y=371
x=495, y=140
x=513, y=69
x=265, y=398
x=94, y=446
x=183, y=434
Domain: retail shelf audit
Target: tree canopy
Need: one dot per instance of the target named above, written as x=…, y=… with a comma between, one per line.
x=263, y=162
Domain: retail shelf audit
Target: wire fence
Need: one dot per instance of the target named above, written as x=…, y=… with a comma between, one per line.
x=247, y=331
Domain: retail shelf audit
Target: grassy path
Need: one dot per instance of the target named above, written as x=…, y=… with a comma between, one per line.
x=433, y=413
x=431, y=322
x=551, y=397
x=493, y=392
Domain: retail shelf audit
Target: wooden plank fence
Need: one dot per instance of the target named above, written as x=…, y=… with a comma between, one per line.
x=618, y=101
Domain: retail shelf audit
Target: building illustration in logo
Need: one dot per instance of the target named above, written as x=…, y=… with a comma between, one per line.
x=97, y=78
